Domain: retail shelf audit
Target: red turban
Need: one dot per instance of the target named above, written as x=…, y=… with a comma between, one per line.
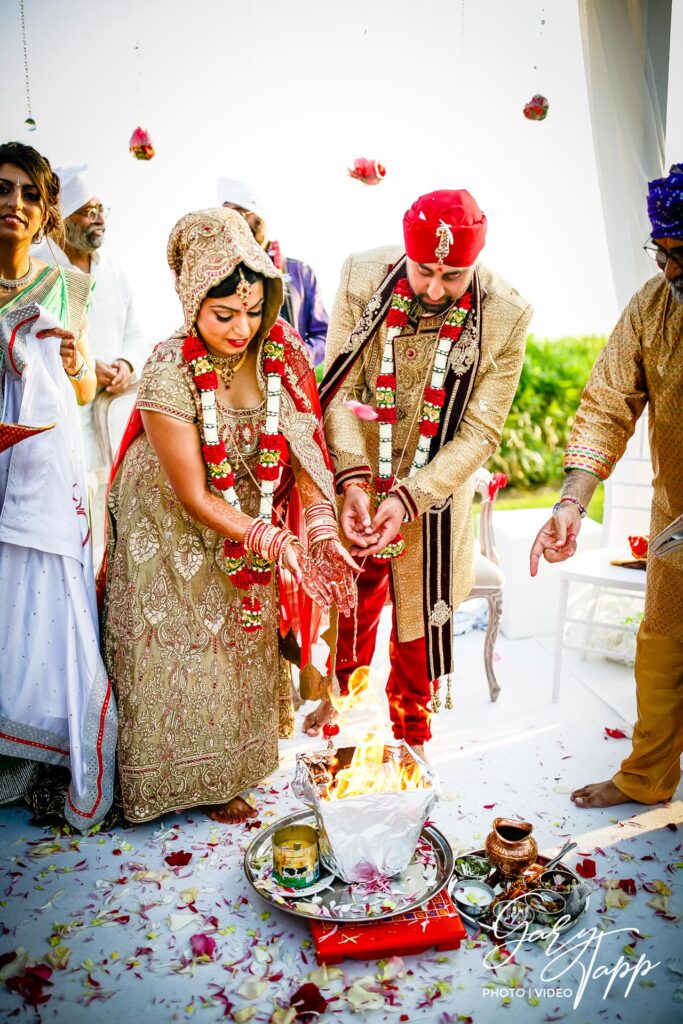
x=445, y=227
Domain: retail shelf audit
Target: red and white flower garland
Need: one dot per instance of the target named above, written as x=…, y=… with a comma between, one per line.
x=272, y=446
x=433, y=398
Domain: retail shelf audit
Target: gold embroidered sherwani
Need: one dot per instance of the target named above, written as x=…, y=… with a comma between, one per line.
x=353, y=443
x=642, y=363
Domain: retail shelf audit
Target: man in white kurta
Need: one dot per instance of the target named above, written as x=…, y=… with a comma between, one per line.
x=56, y=703
x=115, y=336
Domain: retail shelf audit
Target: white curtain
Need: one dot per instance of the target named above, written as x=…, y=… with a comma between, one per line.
x=626, y=56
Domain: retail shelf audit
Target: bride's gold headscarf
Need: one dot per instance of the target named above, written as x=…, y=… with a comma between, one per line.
x=205, y=247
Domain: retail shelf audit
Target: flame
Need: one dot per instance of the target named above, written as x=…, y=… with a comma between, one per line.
x=369, y=771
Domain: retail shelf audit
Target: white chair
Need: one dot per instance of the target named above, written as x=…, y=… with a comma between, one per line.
x=628, y=498
x=111, y=414
x=489, y=579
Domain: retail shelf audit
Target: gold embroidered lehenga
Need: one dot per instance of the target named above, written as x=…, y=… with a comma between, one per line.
x=198, y=696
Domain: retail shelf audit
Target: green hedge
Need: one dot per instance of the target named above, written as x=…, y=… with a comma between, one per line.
x=542, y=414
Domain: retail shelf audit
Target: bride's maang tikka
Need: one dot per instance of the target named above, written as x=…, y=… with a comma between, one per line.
x=243, y=289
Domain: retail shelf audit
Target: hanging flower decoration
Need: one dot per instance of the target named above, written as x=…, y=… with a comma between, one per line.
x=537, y=108
x=432, y=400
x=370, y=172
x=272, y=447
x=140, y=144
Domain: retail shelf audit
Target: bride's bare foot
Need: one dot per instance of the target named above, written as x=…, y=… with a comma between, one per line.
x=315, y=720
x=419, y=749
x=232, y=813
x=600, y=794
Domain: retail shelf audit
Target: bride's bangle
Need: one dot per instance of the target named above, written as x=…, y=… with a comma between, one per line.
x=321, y=523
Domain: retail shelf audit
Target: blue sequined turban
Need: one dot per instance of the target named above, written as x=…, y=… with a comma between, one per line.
x=665, y=204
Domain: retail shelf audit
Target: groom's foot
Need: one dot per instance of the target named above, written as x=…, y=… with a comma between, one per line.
x=600, y=794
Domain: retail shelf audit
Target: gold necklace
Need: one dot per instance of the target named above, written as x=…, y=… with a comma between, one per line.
x=227, y=366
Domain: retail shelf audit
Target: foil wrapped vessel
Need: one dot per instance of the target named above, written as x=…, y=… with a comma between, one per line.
x=371, y=836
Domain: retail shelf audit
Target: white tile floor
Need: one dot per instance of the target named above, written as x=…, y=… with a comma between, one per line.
x=522, y=755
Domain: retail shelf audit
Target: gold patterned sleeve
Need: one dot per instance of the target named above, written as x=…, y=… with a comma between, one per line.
x=165, y=388
x=343, y=431
x=612, y=400
x=480, y=430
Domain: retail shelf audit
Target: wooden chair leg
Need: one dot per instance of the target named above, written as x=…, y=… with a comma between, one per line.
x=495, y=602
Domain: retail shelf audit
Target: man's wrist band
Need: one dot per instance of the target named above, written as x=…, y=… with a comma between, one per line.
x=575, y=501
x=360, y=482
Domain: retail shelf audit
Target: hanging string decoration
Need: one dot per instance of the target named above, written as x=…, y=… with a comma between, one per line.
x=140, y=144
x=537, y=107
x=29, y=122
x=370, y=172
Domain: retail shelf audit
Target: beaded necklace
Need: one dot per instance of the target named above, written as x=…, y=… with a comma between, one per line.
x=433, y=397
x=272, y=446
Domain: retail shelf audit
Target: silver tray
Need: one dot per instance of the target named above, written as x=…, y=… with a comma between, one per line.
x=534, y=927
x=331, y=899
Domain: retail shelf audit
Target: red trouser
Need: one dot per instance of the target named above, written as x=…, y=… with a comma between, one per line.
x=408, y=686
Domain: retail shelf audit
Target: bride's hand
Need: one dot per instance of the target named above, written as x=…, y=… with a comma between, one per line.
x=331, y=568
x=291, y=560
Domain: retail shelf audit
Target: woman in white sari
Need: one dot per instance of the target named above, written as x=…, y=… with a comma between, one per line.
x=56, y=705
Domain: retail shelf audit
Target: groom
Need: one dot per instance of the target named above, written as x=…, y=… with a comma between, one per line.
x=433, y=342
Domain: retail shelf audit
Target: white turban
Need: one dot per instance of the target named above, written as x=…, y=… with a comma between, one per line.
x=76, y=189
x=239, y=193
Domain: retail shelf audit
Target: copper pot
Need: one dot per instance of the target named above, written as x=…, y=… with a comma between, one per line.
x=510, y=846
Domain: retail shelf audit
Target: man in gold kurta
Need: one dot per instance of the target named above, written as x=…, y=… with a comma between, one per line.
x=641, y=364
x=440, y=311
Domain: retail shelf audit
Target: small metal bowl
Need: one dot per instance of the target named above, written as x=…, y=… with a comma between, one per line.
x=511, y=915
x=557, y=880
x=472, y=896
x=473, y=866
x=548, y=905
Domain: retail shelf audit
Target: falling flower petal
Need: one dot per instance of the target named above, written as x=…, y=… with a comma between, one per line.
x=616, y=734
x=360, y=409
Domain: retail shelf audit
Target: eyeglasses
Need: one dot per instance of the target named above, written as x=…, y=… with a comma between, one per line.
x=662, y=256
x=93, y=213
